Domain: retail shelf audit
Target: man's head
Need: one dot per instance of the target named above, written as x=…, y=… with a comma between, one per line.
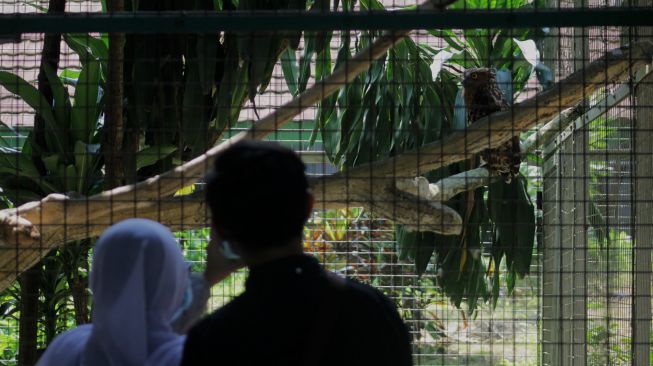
x=258, y=195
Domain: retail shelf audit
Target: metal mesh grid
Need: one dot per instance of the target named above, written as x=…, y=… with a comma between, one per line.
x=588, y=279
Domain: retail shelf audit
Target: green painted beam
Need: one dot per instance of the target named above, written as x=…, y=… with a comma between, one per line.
x=185, y=22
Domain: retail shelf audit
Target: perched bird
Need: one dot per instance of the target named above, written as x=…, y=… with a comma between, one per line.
x=483, y=97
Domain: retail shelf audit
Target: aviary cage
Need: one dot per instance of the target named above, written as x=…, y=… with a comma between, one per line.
x=553, y=269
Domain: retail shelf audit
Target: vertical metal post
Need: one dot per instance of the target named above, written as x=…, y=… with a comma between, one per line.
x=567, y=270
x=641, y=312
x=579, y=244
x=551, y=334
x=551, y=317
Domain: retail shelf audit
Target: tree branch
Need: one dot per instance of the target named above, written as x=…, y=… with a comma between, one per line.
x=445, y=189
x=168, y=183
x=61, y=220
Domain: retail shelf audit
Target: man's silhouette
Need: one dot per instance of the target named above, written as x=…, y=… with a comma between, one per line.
x=292, y=312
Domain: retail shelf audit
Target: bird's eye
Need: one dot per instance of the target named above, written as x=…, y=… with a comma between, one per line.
x=474, y=76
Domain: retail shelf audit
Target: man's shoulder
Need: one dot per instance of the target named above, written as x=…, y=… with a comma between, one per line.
x=366, y=295
x=219, y=319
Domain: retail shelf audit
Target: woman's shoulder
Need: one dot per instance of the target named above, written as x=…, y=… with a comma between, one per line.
x=168, y=354
x=66, y=348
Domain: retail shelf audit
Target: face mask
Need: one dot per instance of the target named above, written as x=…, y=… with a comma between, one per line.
x=185, y=304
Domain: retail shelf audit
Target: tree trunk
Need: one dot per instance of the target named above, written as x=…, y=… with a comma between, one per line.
x=112, y=144
x=29, y=316
x=30, y=281
x=78, y=283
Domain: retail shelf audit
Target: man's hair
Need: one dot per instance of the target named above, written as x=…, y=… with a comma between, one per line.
x=258, y=194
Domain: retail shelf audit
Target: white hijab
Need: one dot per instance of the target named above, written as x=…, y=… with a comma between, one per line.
x=138, y=280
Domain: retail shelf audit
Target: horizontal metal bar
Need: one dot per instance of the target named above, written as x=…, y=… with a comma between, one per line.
x=191, y=22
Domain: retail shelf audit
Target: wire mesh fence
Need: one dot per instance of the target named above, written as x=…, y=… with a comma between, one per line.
x=495, y=252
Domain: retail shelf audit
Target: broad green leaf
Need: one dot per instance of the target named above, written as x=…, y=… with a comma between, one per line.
x=83, y=164
x=27, y=93
x=275, y=51
x=60, y=95
x=207, y=47
x=152, y=154
x=69, y=76
x=232, y=89
x=290, y=70
x=14, y=163
x=71, y=177
x=194, y=121
x=425, y=244
x=305, y=61
x=94, y=49
x=84, y=113
x=16, y=85
x=514, y=216
x=450, y=37
x=407, y=242
x=323, y=64
x=56, y=171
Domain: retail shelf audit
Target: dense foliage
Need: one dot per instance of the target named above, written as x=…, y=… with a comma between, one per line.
x=182, y=92
x=412, y=97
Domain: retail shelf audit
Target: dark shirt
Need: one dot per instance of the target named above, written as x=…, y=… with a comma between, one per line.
x=292, y=314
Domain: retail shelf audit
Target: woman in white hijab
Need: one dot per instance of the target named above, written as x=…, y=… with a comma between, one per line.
x=142, y=292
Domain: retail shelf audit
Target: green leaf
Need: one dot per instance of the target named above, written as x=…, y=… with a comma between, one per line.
x=258, y=63
x=152, y=154
x=71, y=177
x=69, y=76
x=195, y=121
x=37, y=6
x=425, y=247
x=60, y=95
x=290, y=70
x=16, y=85
x=207, y=48
x=87, y=47
x=52, y=163
x=305, y=61
x=514, y=217
x=231, y=92
x=85, y=112
x=407, y=242
x=83, y=164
